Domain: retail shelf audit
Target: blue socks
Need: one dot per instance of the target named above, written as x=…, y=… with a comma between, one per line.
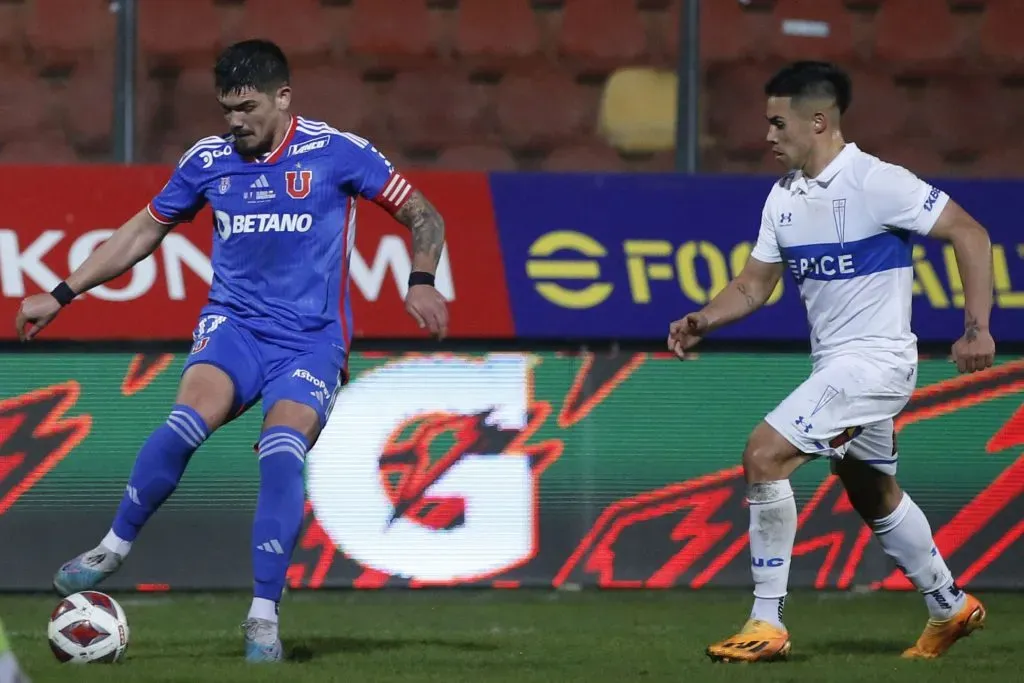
x=279, y=509
x=158, y=469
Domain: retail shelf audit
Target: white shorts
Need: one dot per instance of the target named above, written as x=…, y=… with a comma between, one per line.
x=846, y=408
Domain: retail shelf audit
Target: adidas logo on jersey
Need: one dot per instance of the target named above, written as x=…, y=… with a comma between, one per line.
x=261, y=222
x=259, y=191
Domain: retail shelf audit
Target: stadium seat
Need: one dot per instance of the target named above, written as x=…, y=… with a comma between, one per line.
x=917, y=37
x=1003, y=161
x=59, y=37
x=875, y=92
x=812, y=29
x=47, y=148
x=543, y=108
x=391, y=33
x=600, y=35
x=917, y=155
x=718, y=160
x=863, y=5
x=339, y=97
x=964, y=116
x=659, y=162
x=968, y=5
x=179, y=33
x=476, y=158
x=595, y=158
x=35, y=104
x=299, y=29
x=729, y=32
x=196, y=112
x=433, y=108
x=12, y=44
x=495, y=33
x=639, y=109
x=1002, y=26
x=90, y=118
x=736, y=106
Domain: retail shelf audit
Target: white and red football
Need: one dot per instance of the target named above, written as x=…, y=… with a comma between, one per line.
x=88, y=627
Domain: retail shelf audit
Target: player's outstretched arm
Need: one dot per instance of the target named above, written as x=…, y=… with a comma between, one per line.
x=132, y=242
x=423, y=302
x=976, y=349
x=746, y=293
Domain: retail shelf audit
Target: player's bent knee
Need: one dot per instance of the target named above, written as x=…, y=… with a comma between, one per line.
x=209, y=391
x=769, y=456
x=297, y=416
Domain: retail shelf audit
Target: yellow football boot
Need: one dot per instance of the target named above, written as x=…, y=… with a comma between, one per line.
x=939, y=636
x=757, y=641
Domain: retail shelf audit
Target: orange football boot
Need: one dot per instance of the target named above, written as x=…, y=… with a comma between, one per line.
x=939, y=636
x=757, y=641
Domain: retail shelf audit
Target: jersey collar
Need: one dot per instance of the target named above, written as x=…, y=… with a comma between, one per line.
x=278, y=151
x=802, y=183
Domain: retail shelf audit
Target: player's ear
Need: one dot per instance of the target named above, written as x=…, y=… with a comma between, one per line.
x=820, y=122
x=283, y=99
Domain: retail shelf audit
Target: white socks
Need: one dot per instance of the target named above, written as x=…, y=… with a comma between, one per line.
x=263, y=609
x=906, y=537
x=116, y=544
x=772, y=532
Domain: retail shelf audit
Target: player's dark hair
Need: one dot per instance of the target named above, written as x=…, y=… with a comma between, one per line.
x=805, y=80
x=256, y=64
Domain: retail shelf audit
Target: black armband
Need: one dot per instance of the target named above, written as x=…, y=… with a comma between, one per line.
x=418, y=277
x=63, y=294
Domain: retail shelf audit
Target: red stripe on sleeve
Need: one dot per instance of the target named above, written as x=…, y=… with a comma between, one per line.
x=157, y=216
x=395, y=193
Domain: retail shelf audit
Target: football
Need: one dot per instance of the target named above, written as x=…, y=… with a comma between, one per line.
x=88, y=627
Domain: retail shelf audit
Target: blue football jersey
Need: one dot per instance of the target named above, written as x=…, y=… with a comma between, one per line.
x=284, y=227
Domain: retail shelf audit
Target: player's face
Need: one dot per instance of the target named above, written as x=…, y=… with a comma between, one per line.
x=254, y=117
x=790, y=133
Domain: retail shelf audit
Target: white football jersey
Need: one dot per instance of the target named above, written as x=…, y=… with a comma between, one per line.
x=845, y=238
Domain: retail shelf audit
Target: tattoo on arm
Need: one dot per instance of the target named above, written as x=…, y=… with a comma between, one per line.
x=751, y=301
x=427, y=227
x=971, y=328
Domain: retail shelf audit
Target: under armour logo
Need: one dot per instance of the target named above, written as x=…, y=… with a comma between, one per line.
x=786, y=218
x=806, y=426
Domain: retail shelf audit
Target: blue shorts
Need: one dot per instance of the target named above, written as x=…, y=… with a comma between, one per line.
x=260, y=368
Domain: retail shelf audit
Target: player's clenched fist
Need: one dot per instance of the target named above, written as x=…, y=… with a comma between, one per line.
x=686, y=332
x=36, y=312
x=974, y=351
x=428, y=308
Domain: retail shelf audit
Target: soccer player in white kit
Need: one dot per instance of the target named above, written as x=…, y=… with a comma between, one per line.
x=840, y=221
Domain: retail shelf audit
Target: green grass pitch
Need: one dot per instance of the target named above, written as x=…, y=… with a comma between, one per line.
x=522, y=637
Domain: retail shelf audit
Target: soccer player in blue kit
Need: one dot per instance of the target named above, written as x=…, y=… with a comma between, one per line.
x=278, y=325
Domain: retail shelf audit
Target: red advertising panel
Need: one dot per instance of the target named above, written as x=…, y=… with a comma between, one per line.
x=54, y=217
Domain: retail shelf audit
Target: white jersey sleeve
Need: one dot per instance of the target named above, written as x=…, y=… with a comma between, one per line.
x=766, y=249
x=896, y=198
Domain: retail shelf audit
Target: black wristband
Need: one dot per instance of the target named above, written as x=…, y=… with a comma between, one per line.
x=418, y=277
x=63, y=294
